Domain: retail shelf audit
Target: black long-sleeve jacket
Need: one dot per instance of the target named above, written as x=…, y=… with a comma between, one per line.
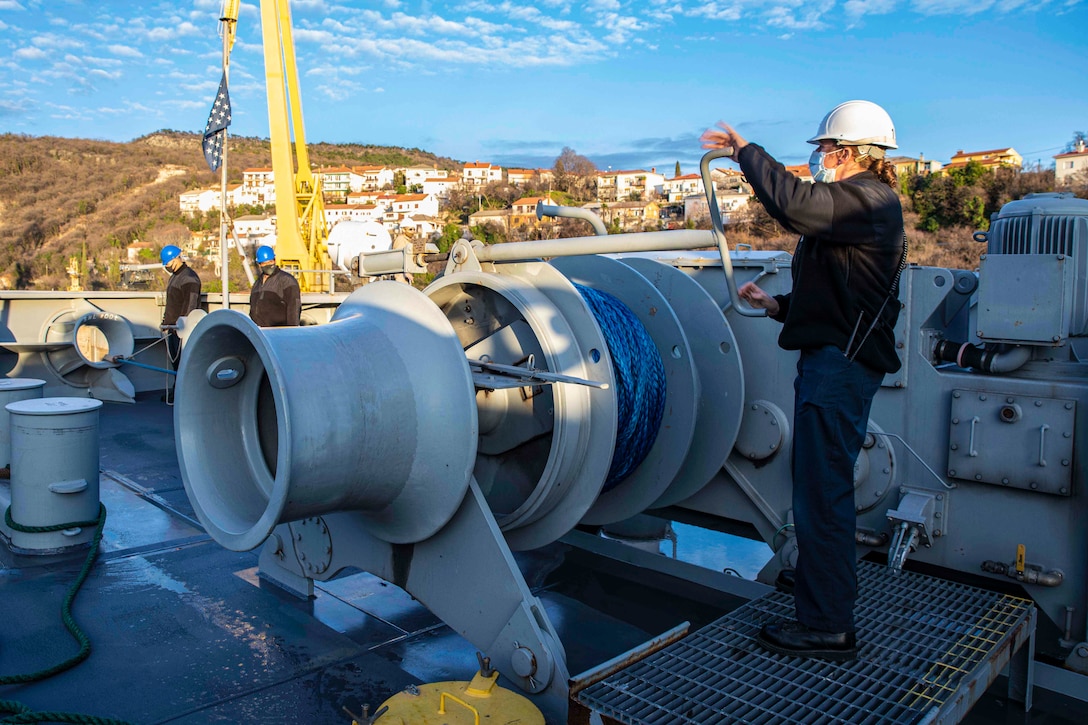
x=182, y=294
x=275, y=300
x=845, y=262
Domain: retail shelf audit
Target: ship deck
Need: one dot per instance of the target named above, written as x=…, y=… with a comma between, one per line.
x=184, y=631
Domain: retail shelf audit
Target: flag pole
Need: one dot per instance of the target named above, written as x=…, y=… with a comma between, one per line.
x=224, y=256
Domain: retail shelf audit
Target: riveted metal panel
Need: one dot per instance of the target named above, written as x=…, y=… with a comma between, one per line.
x=1017, y=441
x=1025, y=298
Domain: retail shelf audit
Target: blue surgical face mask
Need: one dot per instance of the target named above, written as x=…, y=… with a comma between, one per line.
x=820, y=174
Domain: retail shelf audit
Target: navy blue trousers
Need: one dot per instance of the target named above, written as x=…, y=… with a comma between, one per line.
x=832, y=398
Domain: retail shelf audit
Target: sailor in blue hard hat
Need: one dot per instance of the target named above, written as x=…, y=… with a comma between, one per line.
x=275, y=300
x=265, y=254
x=182, y=297
x=168, y=254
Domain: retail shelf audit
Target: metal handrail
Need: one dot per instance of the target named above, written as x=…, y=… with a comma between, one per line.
x=742, y=308
x=572, y=212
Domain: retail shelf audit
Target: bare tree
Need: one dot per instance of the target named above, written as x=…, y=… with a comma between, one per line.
x=575, y=174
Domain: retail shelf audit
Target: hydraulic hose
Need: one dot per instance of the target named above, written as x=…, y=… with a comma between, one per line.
x=986, y=358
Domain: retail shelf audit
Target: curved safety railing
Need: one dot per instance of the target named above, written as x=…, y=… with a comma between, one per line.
x=572, y=212
x=719, y=233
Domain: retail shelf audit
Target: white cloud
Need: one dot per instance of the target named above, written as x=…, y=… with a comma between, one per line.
x=313, y=36
x=621, y=27
x=10, y=5
x=100, y=73
x=72, y=115
x=340, y=91
x=125, y=51
x=30, y=53
x=9, y=107
x=127, y=107
x=202, y=87
x=173, y=31
x=310, y=5
x=54, y=41
x=186, y=105
x=718, y=11
x=334, y=70
x=810, y=17
x=950, y=7
x=858, y=8
x=502, y=34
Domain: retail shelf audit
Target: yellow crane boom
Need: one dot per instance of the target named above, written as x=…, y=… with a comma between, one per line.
x=301, y=233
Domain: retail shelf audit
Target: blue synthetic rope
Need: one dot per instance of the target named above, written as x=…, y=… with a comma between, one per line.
x=640, y=382
x=145, y=366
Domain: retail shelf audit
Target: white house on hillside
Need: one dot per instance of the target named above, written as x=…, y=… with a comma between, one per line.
x=479, y=174
x=414, y=204
x=258, y=186
x=676, y=188
x=622, y=185
x=520, y=177
x=420, y=225
x=416, y=175
x=340, y=181
x=396, y=208
x=1067, y=165
x=374, y=178
x=365, y=197
x=254, y=225
x=439, y=187
x=497, y=217
x=729, y=202
x=206, y=200
x=336, y=213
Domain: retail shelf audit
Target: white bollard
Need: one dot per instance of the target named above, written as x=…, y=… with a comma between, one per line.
x=54, y=471
x=13, y=390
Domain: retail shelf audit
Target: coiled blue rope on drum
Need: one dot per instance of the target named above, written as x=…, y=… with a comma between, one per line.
x=640, y=382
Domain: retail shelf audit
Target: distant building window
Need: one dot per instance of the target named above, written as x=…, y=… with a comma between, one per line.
x=1070, y=164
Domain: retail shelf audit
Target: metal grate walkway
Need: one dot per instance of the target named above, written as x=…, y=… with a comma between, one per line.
x=929, y=648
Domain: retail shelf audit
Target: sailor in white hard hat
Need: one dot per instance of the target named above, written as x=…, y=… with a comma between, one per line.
x=840, y=315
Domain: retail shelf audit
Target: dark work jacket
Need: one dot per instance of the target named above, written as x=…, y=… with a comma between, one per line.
x=845, y=262
x=275, y=300
x=182, y=294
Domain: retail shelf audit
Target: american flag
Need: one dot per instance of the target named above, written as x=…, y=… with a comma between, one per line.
x=215, y=131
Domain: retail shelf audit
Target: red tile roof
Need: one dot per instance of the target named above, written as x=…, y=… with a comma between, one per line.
x=1006, y=150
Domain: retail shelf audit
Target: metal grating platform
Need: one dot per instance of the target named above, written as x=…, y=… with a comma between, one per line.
x=928, y=650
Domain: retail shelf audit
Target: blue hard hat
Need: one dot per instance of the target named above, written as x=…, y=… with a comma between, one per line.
x=169, y=253
x=265, y=253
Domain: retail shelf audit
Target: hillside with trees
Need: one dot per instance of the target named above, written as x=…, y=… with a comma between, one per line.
x=941, y=212
x=62, y=197
x=66, y=198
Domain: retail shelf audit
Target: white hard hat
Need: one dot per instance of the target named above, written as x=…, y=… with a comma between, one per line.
x=857, y=123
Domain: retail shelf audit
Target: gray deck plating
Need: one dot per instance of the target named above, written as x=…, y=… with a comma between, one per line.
x=929, y=648
x=182, y=631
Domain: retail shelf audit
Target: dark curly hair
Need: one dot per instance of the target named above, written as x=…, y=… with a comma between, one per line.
x=883, y=170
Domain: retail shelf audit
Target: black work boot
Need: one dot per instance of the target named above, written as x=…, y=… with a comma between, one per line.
x=797, y=640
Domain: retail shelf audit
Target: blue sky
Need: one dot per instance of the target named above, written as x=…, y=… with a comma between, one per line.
x=628, y=84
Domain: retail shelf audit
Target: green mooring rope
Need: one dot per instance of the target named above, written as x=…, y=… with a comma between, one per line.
x=21, y=713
